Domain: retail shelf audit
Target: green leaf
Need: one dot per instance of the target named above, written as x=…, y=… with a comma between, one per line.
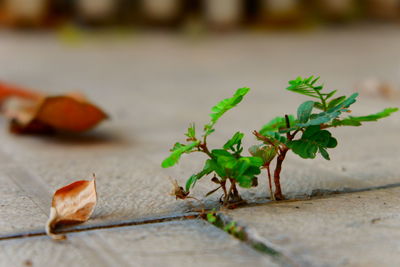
x=246, y=169
x=223, y=106
x=244, y=163
x=304, y=111
x=336, y=101
x=236, y=140
x=191, y=182
x=318, y=105
x=245, y=181
x=305, y=86
x=191, y=132
x=177, y=146
x=277, y=136
x=207, y=169
x=211, y=217
x=216, y=153
x=177, y=153
x=276, y=124
x=330, y=94
x=356, y=121
x=312, y=141
x=330, y=114
x=324, y=153
x=266, y=152
x=345, y=104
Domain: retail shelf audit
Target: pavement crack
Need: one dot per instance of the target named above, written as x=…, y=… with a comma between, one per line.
x=250, y=238
x=107, y=225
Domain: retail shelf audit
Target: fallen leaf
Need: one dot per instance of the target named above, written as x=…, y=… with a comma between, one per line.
x=374, y=87
x=71, y=204
x=69, y=114
x=9, y=90
x=34, y=113
x=177, y=190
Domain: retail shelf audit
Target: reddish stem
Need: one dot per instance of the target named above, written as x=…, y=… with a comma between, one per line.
x=277, y=174
x=269, y=181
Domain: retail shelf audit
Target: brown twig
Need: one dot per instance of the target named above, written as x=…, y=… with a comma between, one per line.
x=263, y=138
x=266, y=166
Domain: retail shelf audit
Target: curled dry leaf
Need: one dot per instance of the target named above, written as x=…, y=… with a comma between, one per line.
x=31, y=112
x=178, y=190
x=71, y=204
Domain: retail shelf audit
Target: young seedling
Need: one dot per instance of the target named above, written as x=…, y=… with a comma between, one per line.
x=307, y=134
x=227, y=163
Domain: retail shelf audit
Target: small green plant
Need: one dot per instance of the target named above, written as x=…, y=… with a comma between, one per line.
x=227, y=162
x=305, y=134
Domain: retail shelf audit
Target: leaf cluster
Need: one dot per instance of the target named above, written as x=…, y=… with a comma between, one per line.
x=313, y=140
x=313, y=119
x=223, y=106
x=227, y=163
x=217, y=111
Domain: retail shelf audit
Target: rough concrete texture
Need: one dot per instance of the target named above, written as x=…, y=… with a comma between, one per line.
x=17, y=210
x=186, y=243
x=355, y=229
x=154, y=85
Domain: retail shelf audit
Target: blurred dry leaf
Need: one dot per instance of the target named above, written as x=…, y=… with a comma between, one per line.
x=71, y=204
x=374, y=87
x=8, y=90
x=31, y=112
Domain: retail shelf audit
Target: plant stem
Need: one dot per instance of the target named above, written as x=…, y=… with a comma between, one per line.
x=227, y=196
x=263, y=138
x=235, y=191
x=271, y=193
x=277, y=173
x=203, y=147
x=223, y=185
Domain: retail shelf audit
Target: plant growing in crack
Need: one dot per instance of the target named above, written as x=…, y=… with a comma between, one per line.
x=305, y=134
x=226, y=163
x=282, y=133
x=230, y=227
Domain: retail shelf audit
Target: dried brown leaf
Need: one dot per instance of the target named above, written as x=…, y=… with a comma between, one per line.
x=32, y=112
x=69, y=113
x=73, y=203
x=177, y=190
x=9, y=90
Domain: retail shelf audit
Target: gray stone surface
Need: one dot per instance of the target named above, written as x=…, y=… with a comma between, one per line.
x=154, y=85
x=186, y=243
x=355, y=229
x=17, y=210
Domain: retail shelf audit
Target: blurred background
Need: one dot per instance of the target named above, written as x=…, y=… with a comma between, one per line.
x=170, y=60
x=195, y=14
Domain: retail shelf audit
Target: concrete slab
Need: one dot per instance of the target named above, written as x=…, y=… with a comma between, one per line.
x=154, y=85
x=17, y=210
x=356, y=229
x=185, y=243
